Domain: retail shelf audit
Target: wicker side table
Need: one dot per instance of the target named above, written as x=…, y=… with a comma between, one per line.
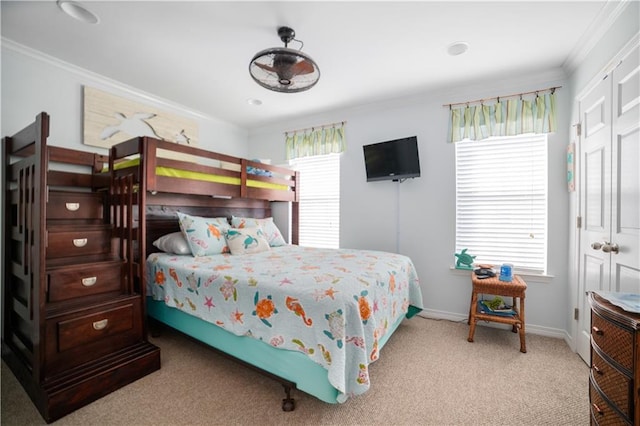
x=515, y=289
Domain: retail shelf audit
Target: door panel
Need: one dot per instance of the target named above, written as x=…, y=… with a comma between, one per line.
x=593, y=279
x=628, y=176
x=627, y=279
x=595, y=189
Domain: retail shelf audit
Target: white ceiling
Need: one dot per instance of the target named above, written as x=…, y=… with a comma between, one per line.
x=196, y=54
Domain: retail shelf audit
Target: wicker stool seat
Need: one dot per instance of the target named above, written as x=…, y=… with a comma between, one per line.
x=515, y=289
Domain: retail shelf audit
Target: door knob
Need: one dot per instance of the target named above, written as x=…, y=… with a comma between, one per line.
x=606, y=247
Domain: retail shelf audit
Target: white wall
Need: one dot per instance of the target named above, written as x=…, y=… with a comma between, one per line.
x=417, y=217
x=33, y=82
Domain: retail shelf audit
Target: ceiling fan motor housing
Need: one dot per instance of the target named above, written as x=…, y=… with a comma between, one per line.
x=286, y=34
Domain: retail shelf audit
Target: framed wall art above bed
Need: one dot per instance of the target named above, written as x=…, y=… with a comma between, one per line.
x=111, y=119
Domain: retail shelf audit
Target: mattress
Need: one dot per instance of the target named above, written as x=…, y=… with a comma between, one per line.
x=336, y=307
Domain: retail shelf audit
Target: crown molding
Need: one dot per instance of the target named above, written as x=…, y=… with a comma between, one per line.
x=103, y=81
x=634, y=43
x=610, y=12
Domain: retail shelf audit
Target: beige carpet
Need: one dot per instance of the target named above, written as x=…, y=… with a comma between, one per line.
x=428, y=374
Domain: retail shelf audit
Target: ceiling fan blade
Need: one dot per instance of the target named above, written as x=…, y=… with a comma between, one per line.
x=302, y=67
x=266, y=67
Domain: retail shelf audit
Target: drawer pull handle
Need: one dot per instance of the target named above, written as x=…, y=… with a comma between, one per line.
x=89, y=281
x=80, y=242
x=597, y=330
x=596, y=369
x=598, y=410
x=72, y=207
x=100, y=325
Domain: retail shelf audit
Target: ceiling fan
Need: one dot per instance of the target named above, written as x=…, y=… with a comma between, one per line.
x=282, y=69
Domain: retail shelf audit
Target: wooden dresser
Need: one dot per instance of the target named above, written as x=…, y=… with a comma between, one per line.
x=73, y=326
x=614, y=382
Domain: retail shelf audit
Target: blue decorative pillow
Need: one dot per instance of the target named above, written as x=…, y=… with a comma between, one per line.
x=271, y=231
x=260, y=172
x=205, y=236
x=247, y=240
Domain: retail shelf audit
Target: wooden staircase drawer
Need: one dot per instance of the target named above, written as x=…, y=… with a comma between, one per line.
x=75, y=205
x=84, y=280
x=86, y=334
x=613, y=340
x=614, y=384
x=86, y=329
x=81, y=241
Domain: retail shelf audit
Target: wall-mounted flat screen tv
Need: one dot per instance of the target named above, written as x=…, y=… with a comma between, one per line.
x=392, y=160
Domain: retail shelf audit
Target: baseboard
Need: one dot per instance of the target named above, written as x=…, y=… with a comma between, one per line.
x=530, y=328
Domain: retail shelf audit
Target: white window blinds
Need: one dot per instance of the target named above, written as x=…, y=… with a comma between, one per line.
x=319, y=221
x=501, y=201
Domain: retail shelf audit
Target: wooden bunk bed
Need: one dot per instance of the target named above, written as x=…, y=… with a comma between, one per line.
x=161, y=190
x=73, y=326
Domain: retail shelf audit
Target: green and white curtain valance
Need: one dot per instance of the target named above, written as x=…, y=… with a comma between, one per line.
x=503, y=118
x=315, y=141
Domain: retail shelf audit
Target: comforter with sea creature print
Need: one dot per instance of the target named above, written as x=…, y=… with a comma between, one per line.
x=333, y=305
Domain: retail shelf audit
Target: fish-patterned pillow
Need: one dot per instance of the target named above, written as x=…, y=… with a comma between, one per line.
x=271, y=231
x=247, y=240
x=205, y=235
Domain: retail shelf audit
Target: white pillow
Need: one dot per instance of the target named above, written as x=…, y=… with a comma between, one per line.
x=173, y=243
x=247, y=240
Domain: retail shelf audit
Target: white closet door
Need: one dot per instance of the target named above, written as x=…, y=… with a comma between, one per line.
x=609, y=251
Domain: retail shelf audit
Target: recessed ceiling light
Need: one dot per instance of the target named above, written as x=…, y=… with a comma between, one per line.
x=457, y=48
x=78, y=11
x=254, y=102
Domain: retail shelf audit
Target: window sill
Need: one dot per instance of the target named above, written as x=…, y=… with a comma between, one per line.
x=543, y=278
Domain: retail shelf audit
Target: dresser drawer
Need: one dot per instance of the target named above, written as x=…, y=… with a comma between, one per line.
x=78, y=241
x=617, y=387
x=88, y=334
x=84, y=280
x=75, y=205
x=613, y=340
x=601, y=412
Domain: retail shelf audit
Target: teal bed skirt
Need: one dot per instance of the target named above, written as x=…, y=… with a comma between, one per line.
x=291, y=366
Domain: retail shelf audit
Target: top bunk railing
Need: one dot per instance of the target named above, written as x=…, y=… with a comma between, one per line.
x=169, y=167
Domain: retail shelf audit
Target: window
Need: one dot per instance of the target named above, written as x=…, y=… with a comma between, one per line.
x=501, y=201
x=319, y=221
